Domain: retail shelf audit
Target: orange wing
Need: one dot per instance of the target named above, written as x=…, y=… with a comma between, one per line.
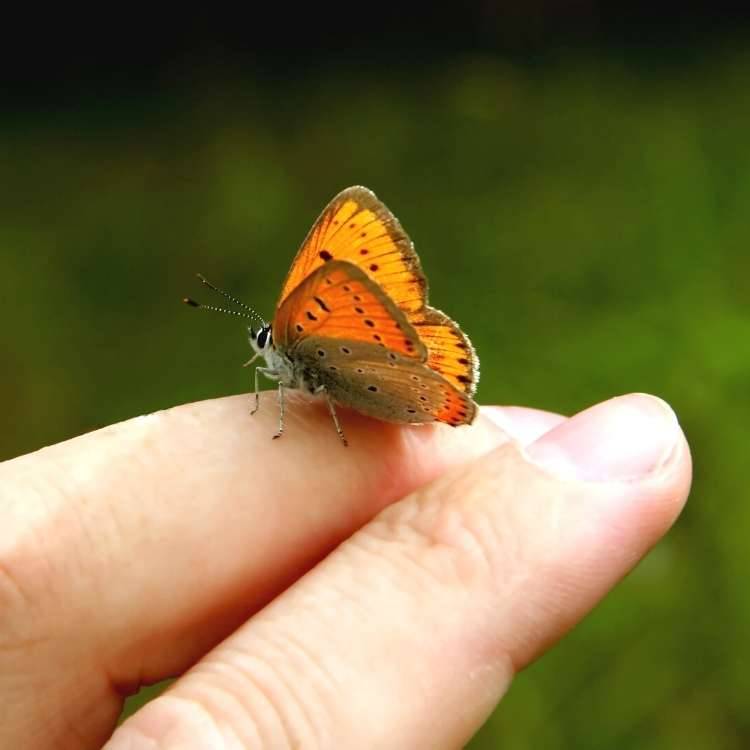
x=357, y=227
x=339, y=301
x=450, y=352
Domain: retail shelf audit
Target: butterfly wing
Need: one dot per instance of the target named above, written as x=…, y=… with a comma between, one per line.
x=450, y=352
x=383, y=384
x=340, y=302
x=357, y=227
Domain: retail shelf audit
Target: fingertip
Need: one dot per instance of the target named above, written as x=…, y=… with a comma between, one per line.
x=622, y=439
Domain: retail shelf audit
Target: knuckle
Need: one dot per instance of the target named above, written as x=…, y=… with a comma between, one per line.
x=35, y=577
x=26, y=636
x=23, y=580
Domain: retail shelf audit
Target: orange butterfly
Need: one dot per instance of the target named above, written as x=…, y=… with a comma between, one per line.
x=353, y=324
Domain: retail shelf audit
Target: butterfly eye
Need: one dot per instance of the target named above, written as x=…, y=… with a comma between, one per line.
x=264, y=336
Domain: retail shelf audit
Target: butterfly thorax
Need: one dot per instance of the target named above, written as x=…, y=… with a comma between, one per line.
x=279, y=366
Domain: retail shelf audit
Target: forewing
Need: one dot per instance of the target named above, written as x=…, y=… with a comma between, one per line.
x=356, y=226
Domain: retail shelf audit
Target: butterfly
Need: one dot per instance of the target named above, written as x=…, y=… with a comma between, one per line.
x=353, y=324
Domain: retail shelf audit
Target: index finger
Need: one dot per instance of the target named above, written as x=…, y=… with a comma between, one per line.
x=173, y=527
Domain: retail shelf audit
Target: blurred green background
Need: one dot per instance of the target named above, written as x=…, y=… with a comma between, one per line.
x=582, y=210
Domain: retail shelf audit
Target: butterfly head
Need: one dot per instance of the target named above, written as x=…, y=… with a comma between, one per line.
x=261, y=340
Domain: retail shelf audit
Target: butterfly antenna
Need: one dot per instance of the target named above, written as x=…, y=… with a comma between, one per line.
x=231, y=298
x=225, y=310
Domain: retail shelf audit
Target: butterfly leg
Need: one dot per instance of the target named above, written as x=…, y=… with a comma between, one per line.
x=281, y=412
x=334, y=416
x=257, y=395
x=270, y=374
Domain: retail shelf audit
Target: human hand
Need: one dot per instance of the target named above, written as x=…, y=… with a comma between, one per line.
x=128, y=554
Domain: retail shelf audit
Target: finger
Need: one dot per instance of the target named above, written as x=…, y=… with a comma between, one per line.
x=411, y=631
x=127, y=553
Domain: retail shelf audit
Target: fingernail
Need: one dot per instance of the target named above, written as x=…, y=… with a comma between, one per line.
x=625, y=438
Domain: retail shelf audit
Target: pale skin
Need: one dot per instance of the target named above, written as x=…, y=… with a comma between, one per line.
x=189, y=543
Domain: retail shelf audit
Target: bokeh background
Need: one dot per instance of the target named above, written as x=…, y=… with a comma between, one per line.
x=577, y=184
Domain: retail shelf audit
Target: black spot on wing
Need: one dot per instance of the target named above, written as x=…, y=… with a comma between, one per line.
x=322, y=304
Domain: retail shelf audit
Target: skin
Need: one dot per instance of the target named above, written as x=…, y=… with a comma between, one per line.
x=312, y=596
